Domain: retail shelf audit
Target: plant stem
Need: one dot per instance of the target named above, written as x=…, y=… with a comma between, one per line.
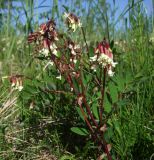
x=89, y=112
x=101, y=110
x=95, y=135
x=52, y=55
x=107, y=151
x=86, y=119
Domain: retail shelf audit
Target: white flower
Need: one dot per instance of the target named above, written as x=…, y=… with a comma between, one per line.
x=59, y=77
x=74, y=26
x=20, y=88
x=55, y=52
x=73, y=48
x=70, y=46
x=103, y=65
x=13, y=85
x=75, y=61
x=94, y=58
x=50, y=63
x=73, y=52
x=104, y=59
x=17, y=84
x=72, y=21
x=114, y=64
x=110, y=73
x=53, y=48
x=44, y=51
x=77, y=46
x=109, y=61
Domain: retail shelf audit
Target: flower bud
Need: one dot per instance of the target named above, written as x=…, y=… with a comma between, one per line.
x=72, y=21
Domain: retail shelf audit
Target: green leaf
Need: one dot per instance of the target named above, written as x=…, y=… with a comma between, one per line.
x=75, y=83
x=99, y=94
x=122, y=102
x=113, y=92
x=66, y=8
x=95, y=110
x=129, y=78
x=117, y=127
x=121, y=83
x=91, y=51
x=112, y=44
x=31, y=89
x=107, y=105
x=26, y=95
x=108, y=134
x=84, y=79
x=80, y=131
x=109, y=122
x=80, y=113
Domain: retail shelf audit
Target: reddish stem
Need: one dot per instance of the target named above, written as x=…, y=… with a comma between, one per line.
x=86, y=119
x=89, y=111
x=106, y=149
x=101, y=111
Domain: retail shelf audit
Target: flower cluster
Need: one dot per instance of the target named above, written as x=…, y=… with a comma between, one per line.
x=75, y=51
x=45, y=38
x=45, y=51
x=104, y=57
x=72, y=21
x=16, y=82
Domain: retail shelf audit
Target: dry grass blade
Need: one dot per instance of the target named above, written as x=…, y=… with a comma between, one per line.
x=6, y=106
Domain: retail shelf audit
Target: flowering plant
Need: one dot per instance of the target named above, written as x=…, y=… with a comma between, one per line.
x=85, y=75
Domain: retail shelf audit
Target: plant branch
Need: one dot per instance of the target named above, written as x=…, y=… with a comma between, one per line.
x=86, y=119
